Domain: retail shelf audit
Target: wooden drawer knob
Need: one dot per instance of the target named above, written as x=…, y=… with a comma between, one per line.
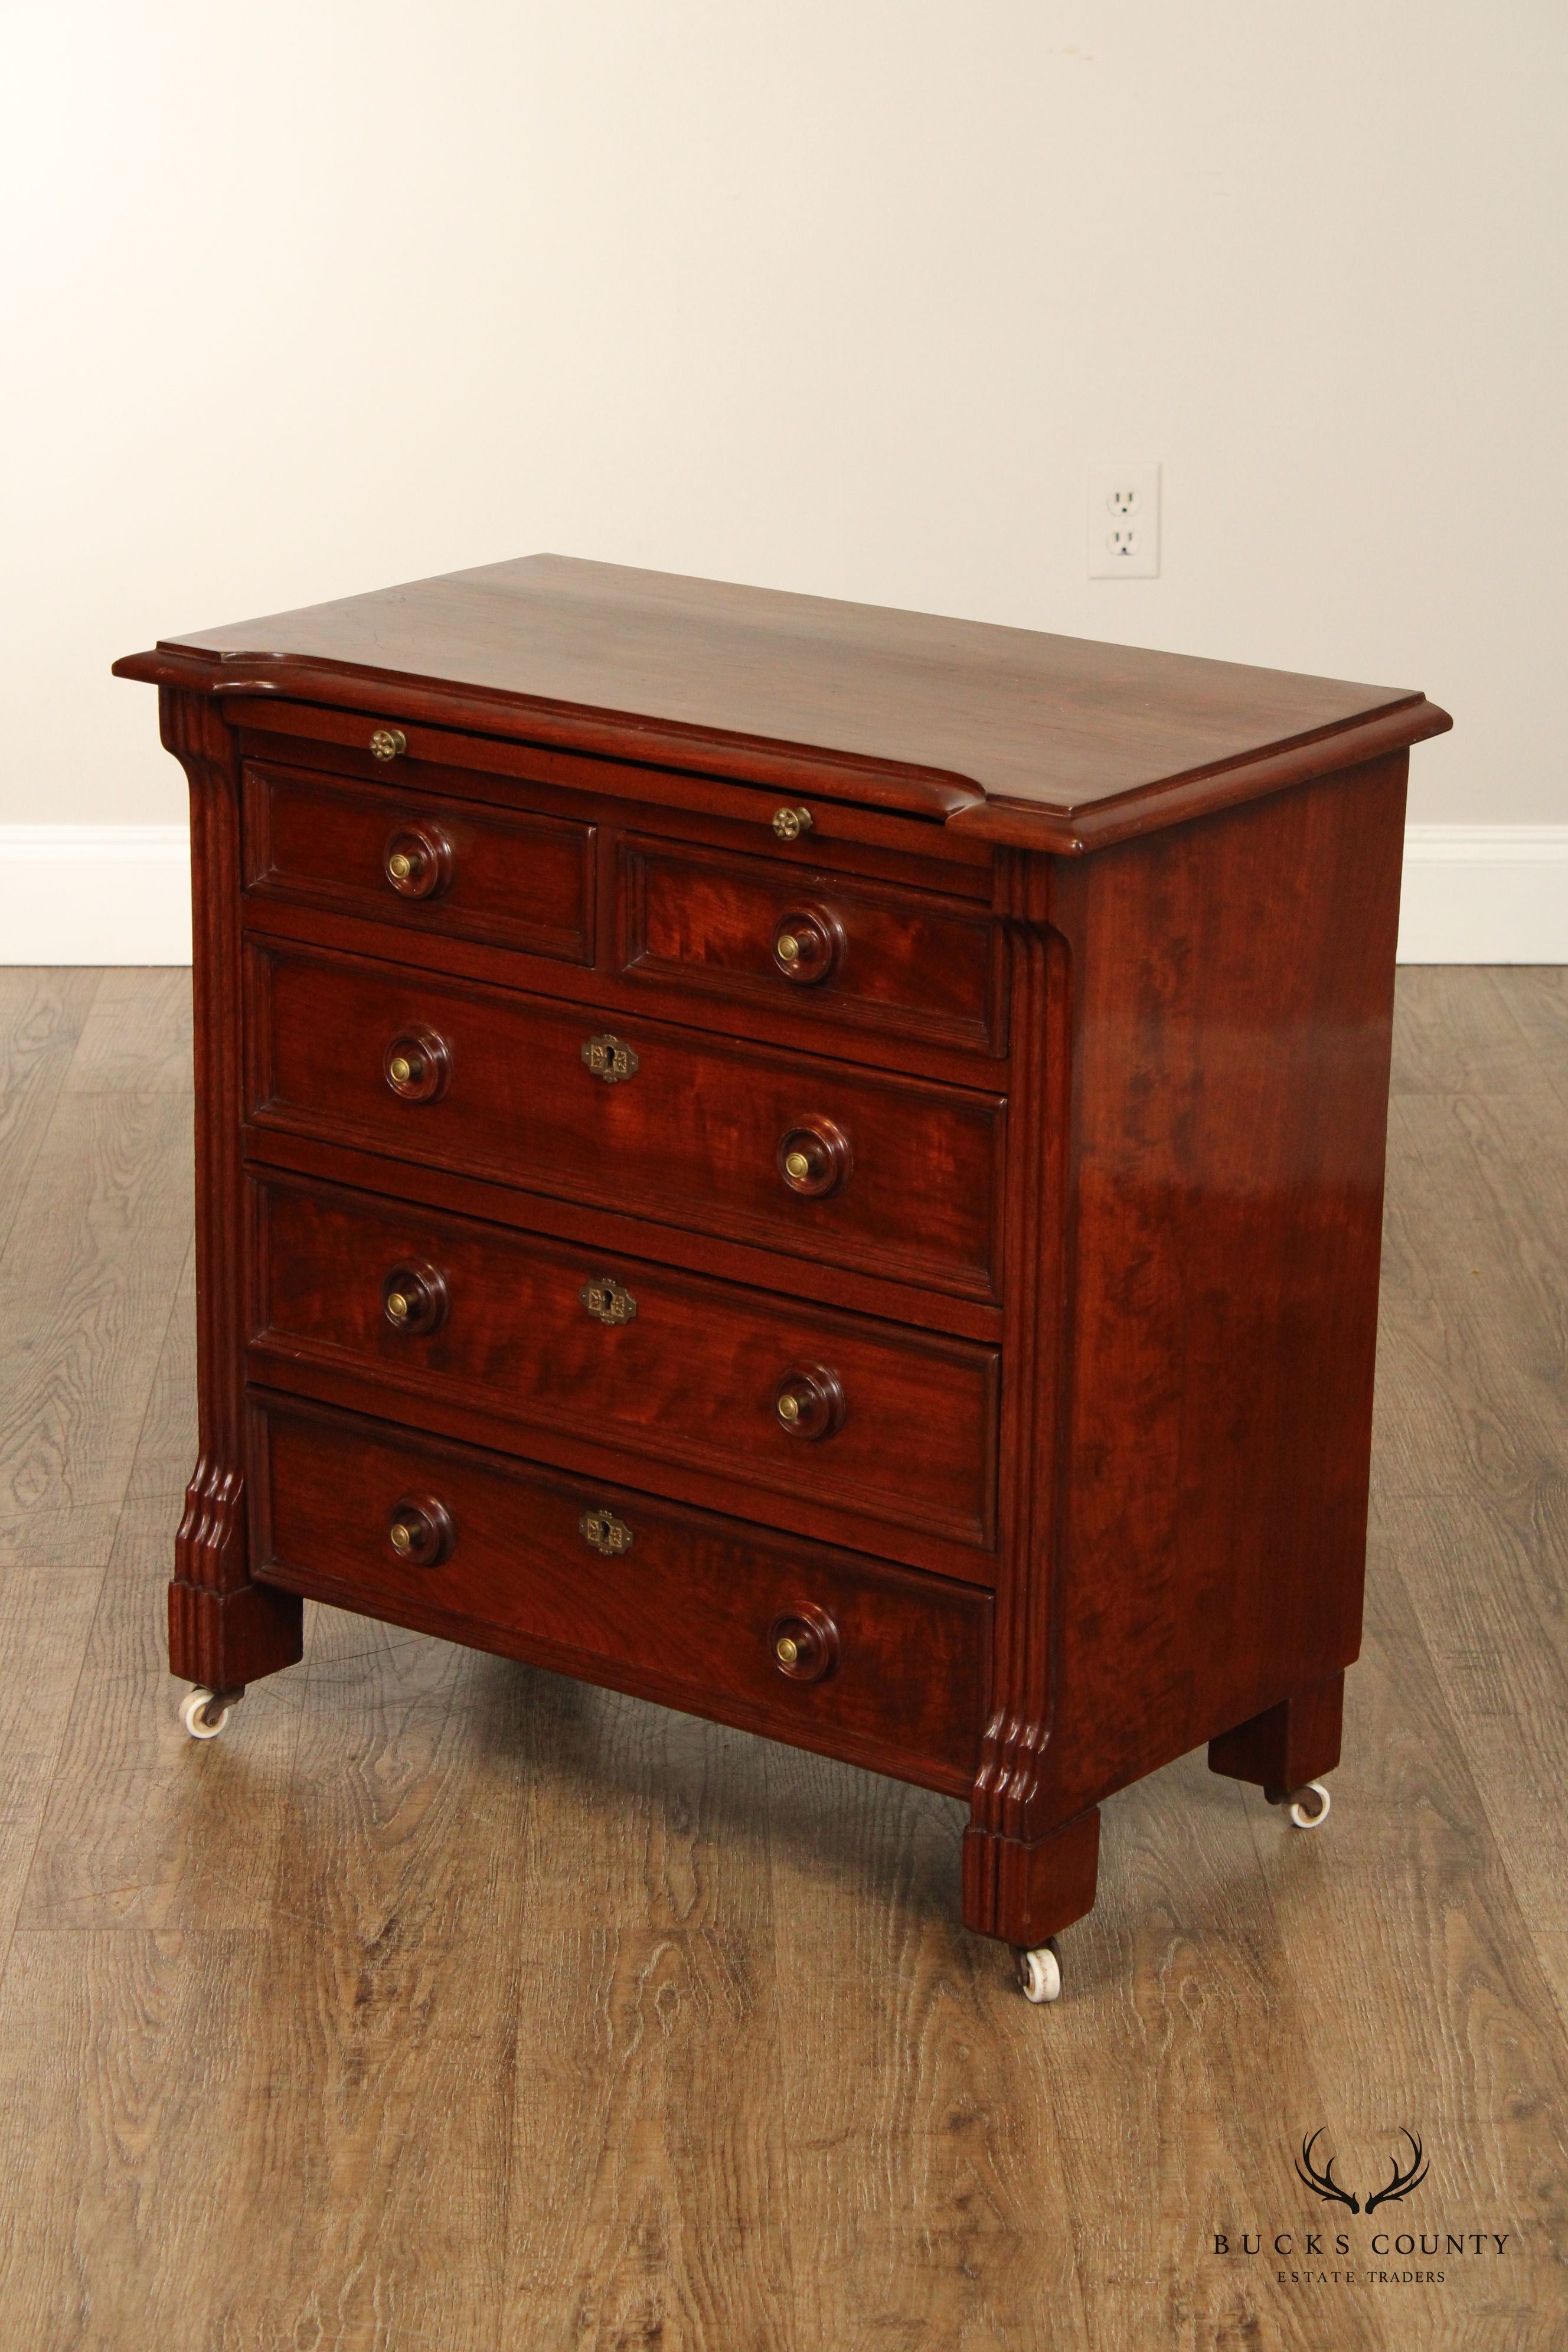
x=414, y=1299
x=420, y=1531
x=417, y=861
x=804, y=1644
x=814, y=1157
x=809, y=1403
x=808, y=943
x=417, y=1064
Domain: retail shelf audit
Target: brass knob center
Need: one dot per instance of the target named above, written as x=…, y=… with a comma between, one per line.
x=417, y=1063
x=789, y=949
x=804, y=1644
x=397, y=1306
x=400, y=866
x=420, y=1530
x=797, y=1165
x=809, y=1403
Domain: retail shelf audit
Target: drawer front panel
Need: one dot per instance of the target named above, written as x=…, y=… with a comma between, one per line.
x=856, y=951
x=896, y=1177
x=438, y=864
x=888, y=1668
x=781, y=1398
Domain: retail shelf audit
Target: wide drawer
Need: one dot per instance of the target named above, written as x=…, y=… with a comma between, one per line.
x=761, y=930
x=787, y=1402
x=806, y=1155
x=817, y=1647
x=448, y=866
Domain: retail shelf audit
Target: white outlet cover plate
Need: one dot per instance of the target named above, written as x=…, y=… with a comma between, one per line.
x=1124, y=520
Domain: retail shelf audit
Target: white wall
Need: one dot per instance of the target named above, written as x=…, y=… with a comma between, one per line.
x=838, y=295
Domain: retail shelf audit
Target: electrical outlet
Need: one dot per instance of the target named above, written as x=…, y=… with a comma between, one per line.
x=1124, y=522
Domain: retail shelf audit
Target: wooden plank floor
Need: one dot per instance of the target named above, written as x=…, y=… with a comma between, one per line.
x=443, y=2004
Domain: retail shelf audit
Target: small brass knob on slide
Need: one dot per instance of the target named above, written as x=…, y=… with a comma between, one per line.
x=809, y=1403
x=804, y=1644
x=808, y=943
x=417, y=861
x=420, y=1531
x=814, y=1157
x=414, y=1299
x=388, y=743
x=417, y=1063
x=789, y=823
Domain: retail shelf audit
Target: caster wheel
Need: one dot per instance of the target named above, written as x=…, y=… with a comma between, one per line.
x=204, y=1713
x=1308, y=1808
x=1040, y=1973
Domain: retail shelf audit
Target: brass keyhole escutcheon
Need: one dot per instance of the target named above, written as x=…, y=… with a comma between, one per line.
x=420, y=1531
x=804, y=1644
x=814, y=1157
x=607, y=1300
x=610, y=1058
x=388, y=743
x=809, y=1403
x=807, y=944
x=414, y=1297
x=602, y=1532
x=417, y=860
x=417, y=1064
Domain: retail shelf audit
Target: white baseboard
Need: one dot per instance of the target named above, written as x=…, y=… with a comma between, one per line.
x=95, y=893
x=119, y=893
x=1485, y=894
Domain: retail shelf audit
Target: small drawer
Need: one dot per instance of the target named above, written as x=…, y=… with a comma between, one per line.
x=817, y=1647
x=438, y=864
x=809, y=1157
x=868, y=954
x=794, y=1409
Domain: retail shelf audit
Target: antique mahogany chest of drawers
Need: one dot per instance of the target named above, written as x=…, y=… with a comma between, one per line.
x=822, y=1166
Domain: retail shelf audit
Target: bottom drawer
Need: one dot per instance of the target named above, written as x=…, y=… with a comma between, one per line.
x=880, y=1665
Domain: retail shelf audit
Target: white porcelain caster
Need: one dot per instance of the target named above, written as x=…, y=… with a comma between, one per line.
x=204, y=1713
x=1312, y=1819
x=1040, y=1973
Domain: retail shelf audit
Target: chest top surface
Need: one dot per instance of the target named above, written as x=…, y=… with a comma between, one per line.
x=1052, y=742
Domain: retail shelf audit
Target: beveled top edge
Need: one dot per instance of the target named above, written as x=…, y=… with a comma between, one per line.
x=906, y=710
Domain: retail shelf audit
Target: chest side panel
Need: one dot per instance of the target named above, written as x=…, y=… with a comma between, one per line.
x=1232, y=1006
